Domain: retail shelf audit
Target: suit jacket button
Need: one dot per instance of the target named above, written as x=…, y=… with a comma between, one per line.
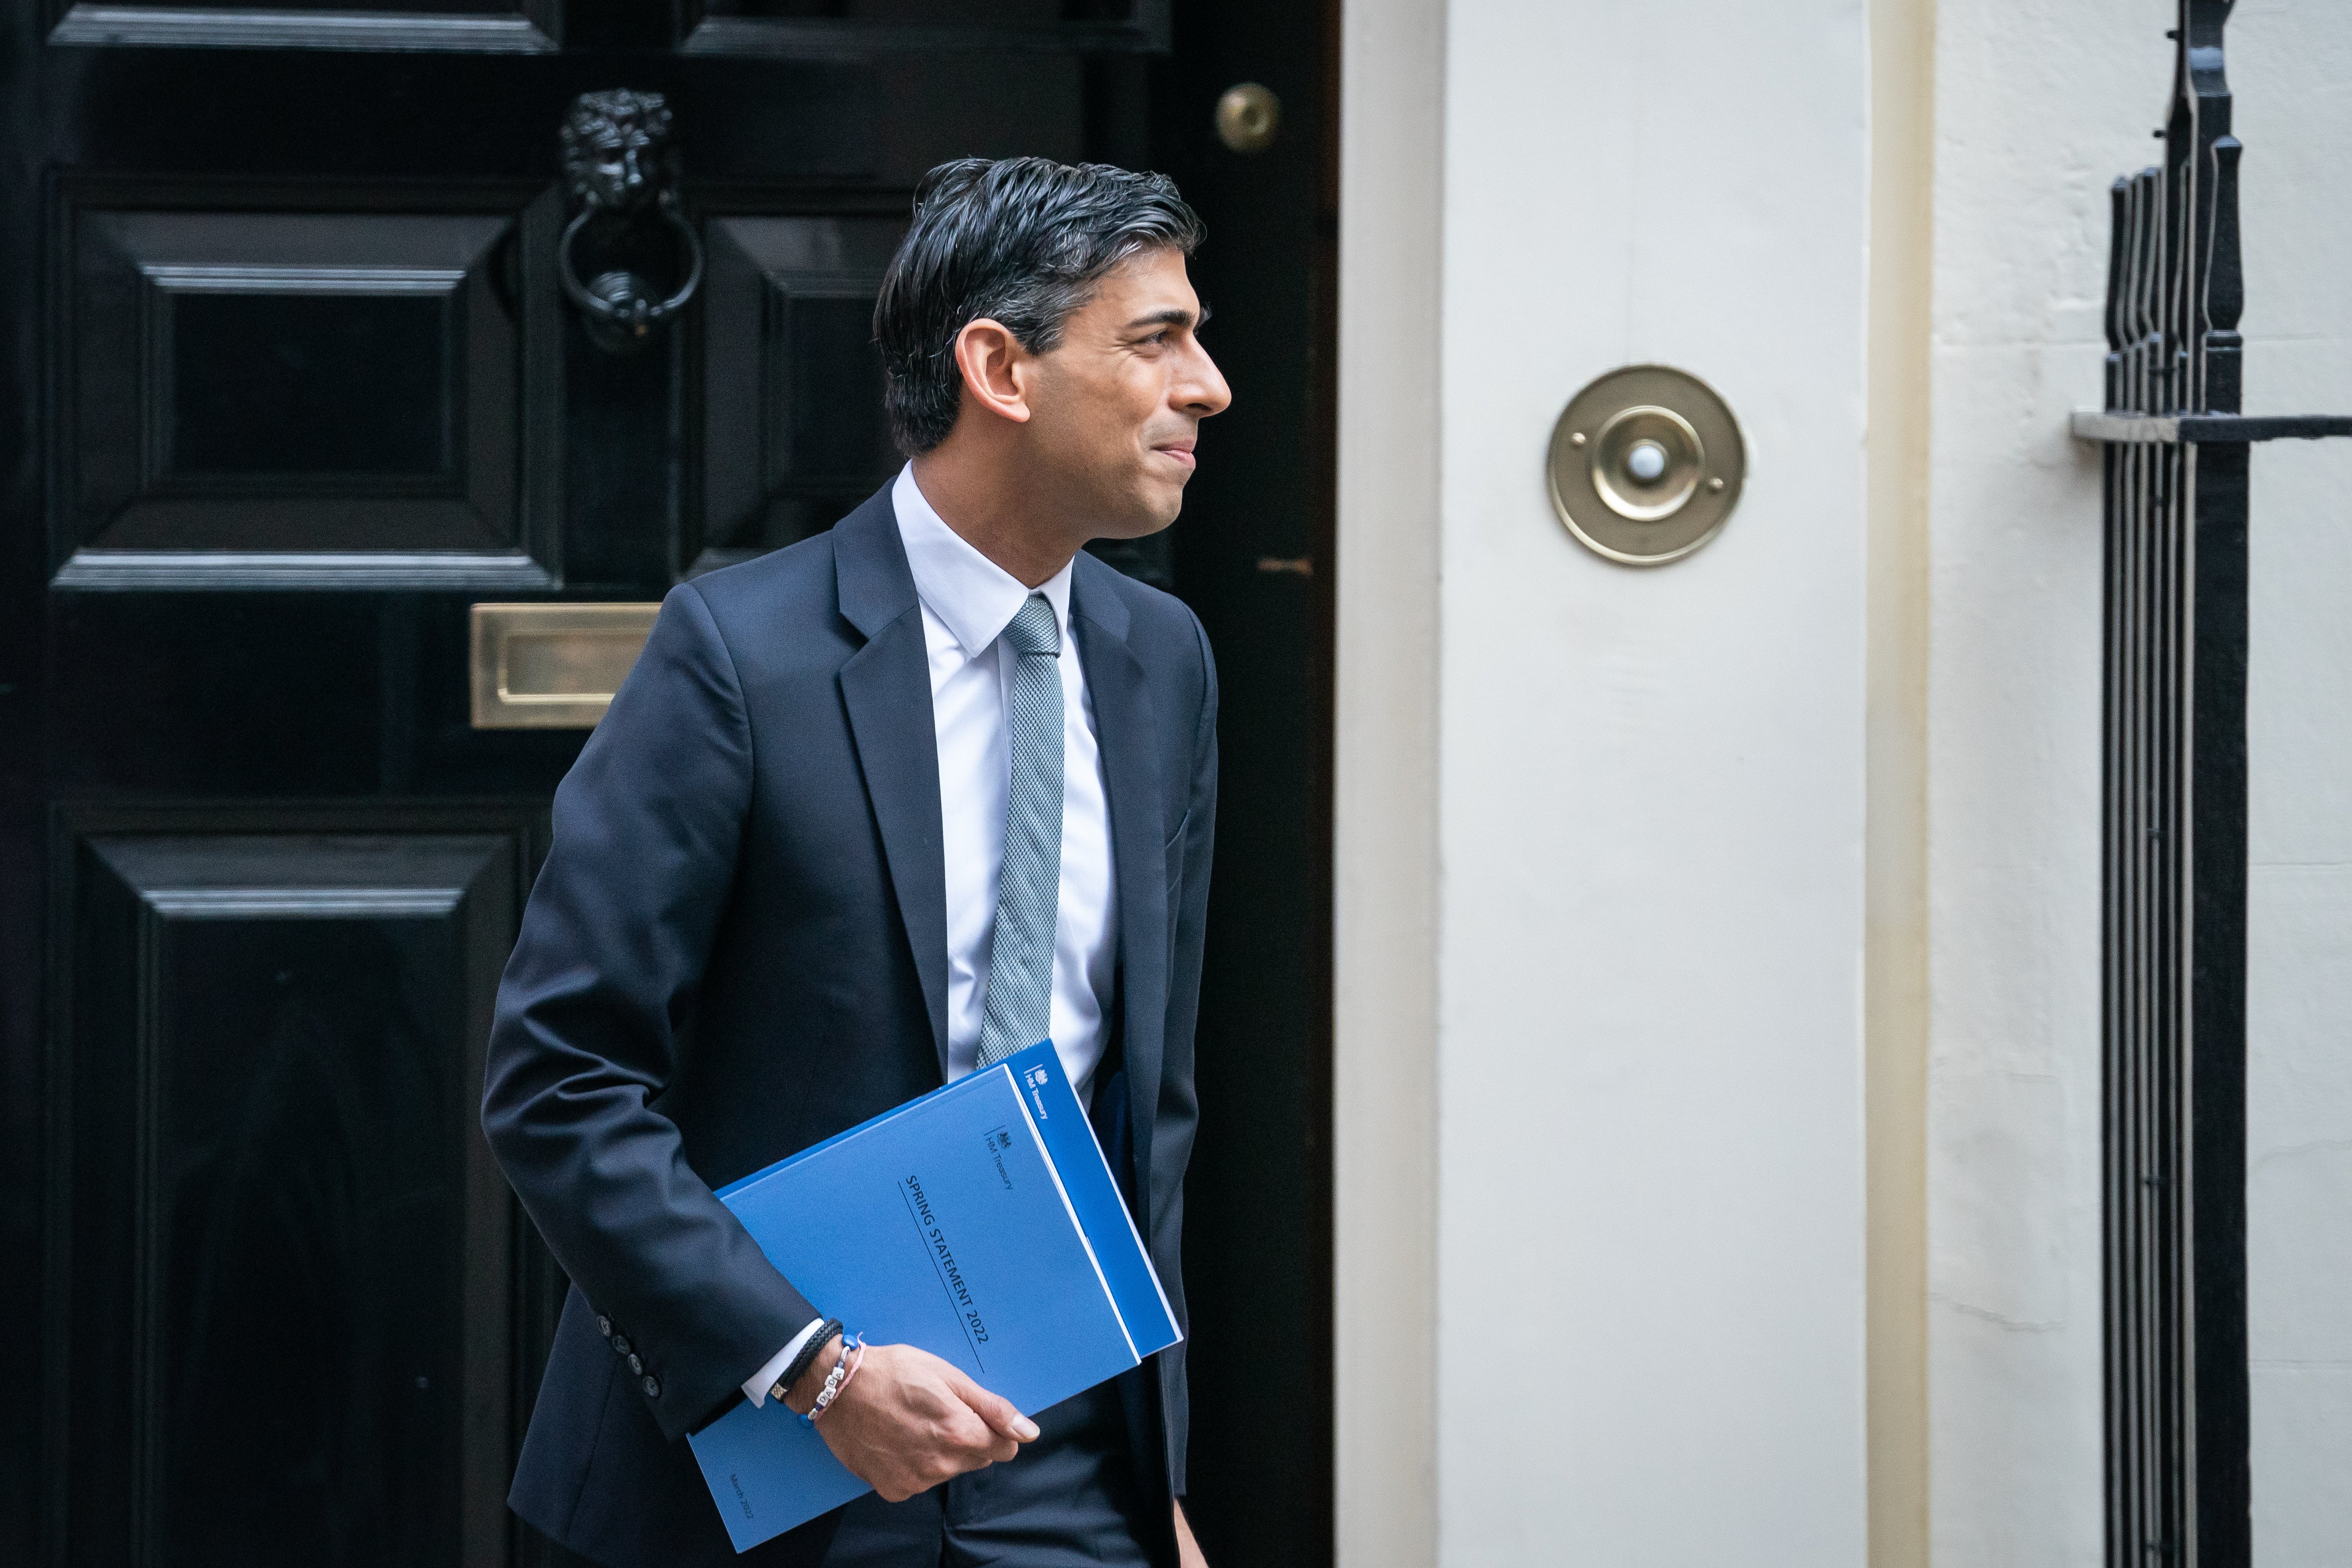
x=652, y=1385
x=637, y=1363
x=604, y=1326
x=620, y=1344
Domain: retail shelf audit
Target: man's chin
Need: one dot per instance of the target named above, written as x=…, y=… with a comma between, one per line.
x=1147, y=513
x=1162, y=517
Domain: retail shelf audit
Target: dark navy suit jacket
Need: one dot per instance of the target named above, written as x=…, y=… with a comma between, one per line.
x=738, y=948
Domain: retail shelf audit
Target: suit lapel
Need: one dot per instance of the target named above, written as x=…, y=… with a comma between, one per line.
x=886, y=686
x=1130, y=751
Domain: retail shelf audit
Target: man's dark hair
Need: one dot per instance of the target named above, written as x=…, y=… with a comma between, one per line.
x=1020, y=241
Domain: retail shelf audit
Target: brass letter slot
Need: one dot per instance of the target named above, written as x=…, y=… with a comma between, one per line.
x=553, y=667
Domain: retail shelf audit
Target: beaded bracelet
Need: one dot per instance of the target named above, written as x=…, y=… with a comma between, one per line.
x=833, y=1381
x=838, y=1378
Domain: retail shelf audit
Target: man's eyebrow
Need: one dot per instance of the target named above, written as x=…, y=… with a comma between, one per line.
x=1172, y=317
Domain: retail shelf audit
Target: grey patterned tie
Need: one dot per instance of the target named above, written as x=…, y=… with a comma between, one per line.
x=1019, y=1011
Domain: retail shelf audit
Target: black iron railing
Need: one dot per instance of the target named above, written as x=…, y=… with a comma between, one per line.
x=2174, y=1027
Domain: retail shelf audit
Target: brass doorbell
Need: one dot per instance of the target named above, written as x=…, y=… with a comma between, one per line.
x=1646, y=463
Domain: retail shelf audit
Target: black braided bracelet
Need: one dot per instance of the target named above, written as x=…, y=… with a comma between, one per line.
x=823, y=1336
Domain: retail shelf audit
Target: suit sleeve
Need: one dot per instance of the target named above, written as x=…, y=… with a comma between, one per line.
x=1179, y=1108
x=648, y=827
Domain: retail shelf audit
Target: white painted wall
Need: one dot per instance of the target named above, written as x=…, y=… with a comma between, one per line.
x=2291, y=65
x=1650, y=1146
x=1384, y=798
x=1627, y=810
x=2038, y=107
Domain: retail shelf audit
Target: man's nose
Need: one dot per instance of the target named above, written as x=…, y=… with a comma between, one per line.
x=1203, y=391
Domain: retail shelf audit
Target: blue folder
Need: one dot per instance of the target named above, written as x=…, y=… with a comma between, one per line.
x=978, y=1222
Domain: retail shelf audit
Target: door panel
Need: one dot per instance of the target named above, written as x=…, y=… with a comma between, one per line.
x=468, y=26
x=259, y=392
x=794, y=434
x=818, y=28
x=255, y=398
x=286, y=1322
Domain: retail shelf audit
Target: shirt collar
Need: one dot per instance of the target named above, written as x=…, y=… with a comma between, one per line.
x=973, y=596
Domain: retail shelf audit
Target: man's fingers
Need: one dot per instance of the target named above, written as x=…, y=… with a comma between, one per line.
x=994, y=1409
x=963, y=1429
x=965, y=1441
x=998, y=1413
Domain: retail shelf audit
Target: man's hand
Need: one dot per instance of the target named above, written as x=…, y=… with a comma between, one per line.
x=909, y=1420
x=1188, y=1551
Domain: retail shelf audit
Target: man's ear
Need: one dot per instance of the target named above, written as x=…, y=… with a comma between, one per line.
x=994, y=367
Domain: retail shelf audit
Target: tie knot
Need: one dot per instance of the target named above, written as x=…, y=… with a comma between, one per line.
x=1034, y=630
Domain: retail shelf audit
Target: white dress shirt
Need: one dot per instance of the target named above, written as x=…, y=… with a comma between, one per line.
x=968, y=601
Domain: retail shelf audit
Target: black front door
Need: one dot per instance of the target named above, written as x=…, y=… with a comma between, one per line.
x=295, y=388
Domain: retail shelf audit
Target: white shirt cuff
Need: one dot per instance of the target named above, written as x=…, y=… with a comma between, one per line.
x=756, y=1387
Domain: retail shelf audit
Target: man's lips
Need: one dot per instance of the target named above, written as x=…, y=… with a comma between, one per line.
x=1180, y=450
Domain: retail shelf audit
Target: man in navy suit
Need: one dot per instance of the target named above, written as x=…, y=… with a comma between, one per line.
x=869, y=812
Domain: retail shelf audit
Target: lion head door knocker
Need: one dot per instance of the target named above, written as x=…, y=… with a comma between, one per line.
x=620, y=170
